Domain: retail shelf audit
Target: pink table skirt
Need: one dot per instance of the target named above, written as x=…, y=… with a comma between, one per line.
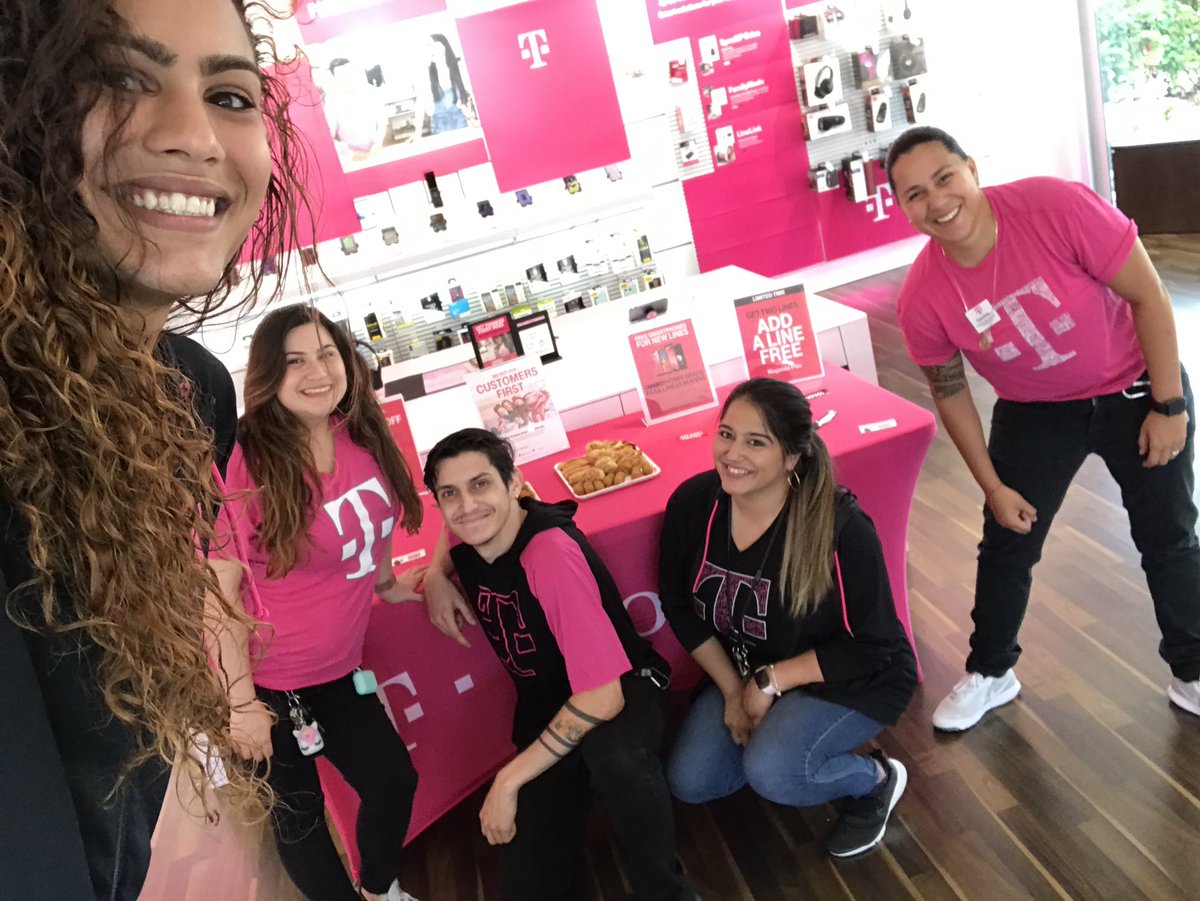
x=453, y=705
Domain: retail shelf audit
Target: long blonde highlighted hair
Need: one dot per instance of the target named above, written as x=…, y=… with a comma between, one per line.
x=807, y=570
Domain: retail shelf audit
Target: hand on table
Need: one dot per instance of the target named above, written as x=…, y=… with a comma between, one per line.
x=1162, y=438
x=1011, y=510
x=406, y=586
x=448, y=609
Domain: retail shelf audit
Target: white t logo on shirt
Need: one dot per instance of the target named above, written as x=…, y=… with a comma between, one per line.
x=354, y=497
x=1048, y=356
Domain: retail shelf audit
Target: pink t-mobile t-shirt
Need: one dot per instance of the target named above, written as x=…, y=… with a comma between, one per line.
x=316, y=614
x=1063, y=333
x=563, y=583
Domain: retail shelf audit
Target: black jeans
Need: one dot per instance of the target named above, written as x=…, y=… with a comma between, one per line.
x=361, y=743
x=1036, y=449
x=618, y=759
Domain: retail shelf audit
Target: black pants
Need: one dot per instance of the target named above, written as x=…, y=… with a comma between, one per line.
x=618, y=759
x=1037, y=448
x=361, y=743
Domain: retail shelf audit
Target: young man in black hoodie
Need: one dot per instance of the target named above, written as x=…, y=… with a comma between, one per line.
x=589, y=688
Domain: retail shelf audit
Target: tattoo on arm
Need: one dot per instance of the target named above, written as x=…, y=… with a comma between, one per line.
x=545, y=745
x=948, y=379
x=586, y=717
x=562, y=740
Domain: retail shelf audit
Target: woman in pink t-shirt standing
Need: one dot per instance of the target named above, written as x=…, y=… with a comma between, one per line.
x=1046, y=290
x=314, y=488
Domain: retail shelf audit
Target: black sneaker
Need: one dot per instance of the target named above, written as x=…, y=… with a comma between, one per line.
x=864, y=820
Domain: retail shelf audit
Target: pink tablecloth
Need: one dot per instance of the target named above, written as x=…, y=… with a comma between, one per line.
x=453, y=705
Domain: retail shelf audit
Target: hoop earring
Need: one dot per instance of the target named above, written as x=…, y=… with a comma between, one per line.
x=795, y=481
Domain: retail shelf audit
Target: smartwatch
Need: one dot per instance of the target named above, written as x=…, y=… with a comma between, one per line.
x=764, y=678
x=1171, y=407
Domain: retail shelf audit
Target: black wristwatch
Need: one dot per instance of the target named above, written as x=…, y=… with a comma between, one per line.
x=1171, y=407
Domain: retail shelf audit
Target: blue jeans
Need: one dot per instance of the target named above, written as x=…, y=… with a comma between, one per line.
x=800, y=755
x=1037, y=448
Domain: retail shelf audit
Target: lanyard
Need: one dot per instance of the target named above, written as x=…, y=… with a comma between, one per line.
x=983, y=315
x=740, y=651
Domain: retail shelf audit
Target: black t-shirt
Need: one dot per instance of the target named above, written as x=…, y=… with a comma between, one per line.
x=516, y=624
x=60, y=747
x=863, y=651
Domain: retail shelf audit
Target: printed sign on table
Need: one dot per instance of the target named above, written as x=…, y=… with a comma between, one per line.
x=672, y=377
x=513, y=402
x=777, y=335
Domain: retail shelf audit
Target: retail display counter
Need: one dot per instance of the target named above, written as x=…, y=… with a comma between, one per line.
x=453, y=705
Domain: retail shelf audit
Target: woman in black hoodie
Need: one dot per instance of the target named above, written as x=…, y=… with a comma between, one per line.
x=773, y=578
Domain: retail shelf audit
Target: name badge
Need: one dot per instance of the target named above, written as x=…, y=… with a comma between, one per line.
x=982, y=316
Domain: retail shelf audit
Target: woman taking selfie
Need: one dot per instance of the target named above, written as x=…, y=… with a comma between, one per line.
x=134, y=166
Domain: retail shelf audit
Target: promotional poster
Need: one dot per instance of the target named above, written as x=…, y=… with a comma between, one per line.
x=514, y=403
x=672, y=377
x=777, y=335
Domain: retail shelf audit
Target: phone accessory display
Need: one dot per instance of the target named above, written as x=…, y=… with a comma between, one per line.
x=348, y=244
x=908, y=56
x=435, y=193
x=822, y=81
x=824, y=178
x=438, y=222
x=802, y=26
x=855, y=177
x=572, y=184
x=390, y=236
x=524, y=198
x=824, y=123
x=916, y=106
x=830, y=21
x=305, y=729
x=879, y=110
x=485, y=209
x=613, y=173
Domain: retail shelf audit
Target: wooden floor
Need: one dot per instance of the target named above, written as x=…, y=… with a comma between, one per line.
x=1088, y=786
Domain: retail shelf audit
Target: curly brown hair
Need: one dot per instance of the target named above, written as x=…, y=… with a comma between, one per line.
x=275, y=445
x=100, y=454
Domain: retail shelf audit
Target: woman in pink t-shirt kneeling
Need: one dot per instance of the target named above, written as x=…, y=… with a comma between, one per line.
x=314, y=488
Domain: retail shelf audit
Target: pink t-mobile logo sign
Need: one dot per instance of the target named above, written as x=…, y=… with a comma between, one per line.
x=533, y=46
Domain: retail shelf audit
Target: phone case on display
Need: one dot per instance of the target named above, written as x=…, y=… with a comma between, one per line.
x=438, y=222
x=390, y=236
x=855, y=175
x=524, y=198
x=435, y=194
x=455, y=289
x=613, y=173
x=879, y=111
x=572, y=184
x=916, y=105
x=908, y=57
x=485, y=208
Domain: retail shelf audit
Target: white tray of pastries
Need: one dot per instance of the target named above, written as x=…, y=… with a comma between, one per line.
x=607, y=466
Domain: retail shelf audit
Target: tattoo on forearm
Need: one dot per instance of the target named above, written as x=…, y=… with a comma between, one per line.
x=562, y=740
x=546, y=745
x=586, y=717
x=948, y=379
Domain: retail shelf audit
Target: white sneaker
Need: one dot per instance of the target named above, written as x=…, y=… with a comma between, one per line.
x=394, y=892
x=972, y=697
x=1185, y=695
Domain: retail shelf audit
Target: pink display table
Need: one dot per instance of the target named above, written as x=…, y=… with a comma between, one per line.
x=453, y=705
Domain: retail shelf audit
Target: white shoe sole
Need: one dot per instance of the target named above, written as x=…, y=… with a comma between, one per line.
x=901, y=784
x=1181, y=702
x=943, y=724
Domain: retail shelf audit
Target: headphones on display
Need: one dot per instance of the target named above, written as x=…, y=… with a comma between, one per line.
x=824, y=82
